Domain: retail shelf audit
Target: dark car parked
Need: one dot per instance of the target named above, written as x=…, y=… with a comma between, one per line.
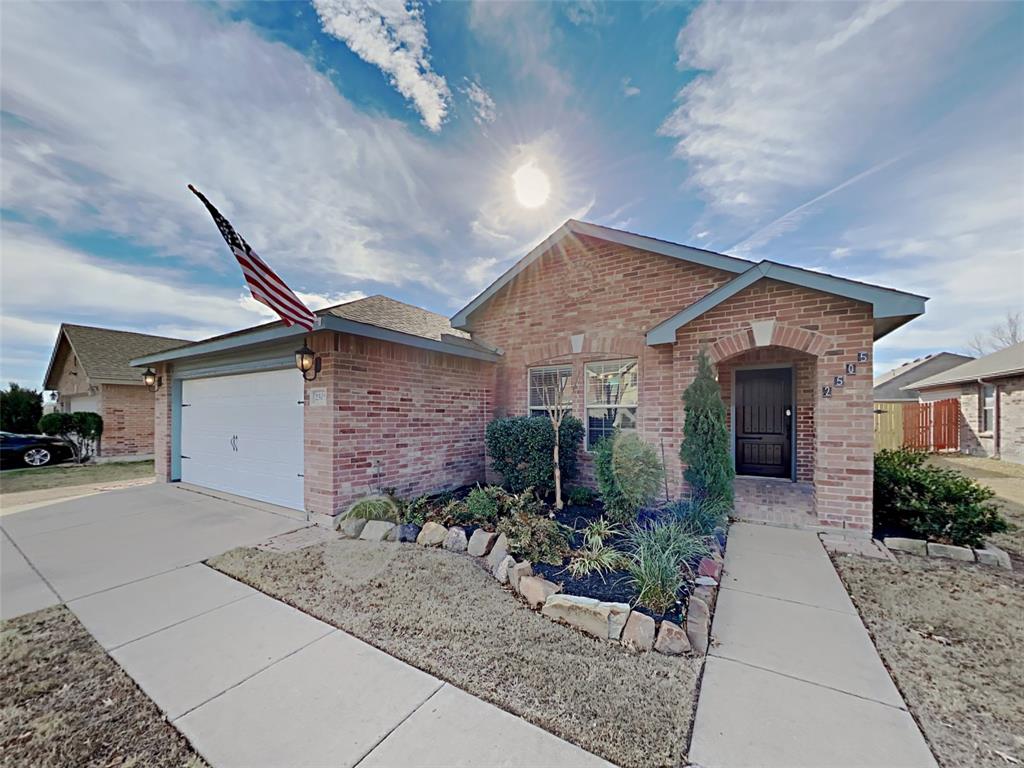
x=33, y=450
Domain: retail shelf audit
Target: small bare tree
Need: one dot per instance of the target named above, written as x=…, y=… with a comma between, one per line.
x=1005, y=333
x=553, y=394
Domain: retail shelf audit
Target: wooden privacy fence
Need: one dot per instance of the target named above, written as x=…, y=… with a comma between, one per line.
x=921, y=426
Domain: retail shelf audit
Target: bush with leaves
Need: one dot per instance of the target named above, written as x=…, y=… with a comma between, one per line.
x=938, y=504
x=521, y=448
x=484, y=505
x=82, y=429
x=20, y=409
x=629, y=475
x=658, y=557
x=531, y=533
x=705, y=448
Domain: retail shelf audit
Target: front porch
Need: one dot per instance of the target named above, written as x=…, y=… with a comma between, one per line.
x=775, y=501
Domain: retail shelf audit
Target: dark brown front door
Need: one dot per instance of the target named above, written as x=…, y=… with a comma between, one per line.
x=764, y=412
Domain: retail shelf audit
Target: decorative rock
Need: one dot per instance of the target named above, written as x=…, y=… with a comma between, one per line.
x=392, y=534
x=709, y=567
x=455, y=541
x=498, y=552
x=500, y=571
x=518, y=571
x=948, y=550
x=706, y=581
x=352, y=527
x=671, y=640
x=376, y=530
x=536, y=590
x=993, y=555
x=408, y=532
x=698, y=624
x=431, y=535
x=480, y=542
x=603, y=620
x=720, y=535
x=910, y=546
x=639, y=632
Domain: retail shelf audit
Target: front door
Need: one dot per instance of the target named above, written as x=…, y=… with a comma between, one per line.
x=764, y=418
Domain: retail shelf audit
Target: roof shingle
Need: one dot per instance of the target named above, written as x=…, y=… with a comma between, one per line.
x=104, y=353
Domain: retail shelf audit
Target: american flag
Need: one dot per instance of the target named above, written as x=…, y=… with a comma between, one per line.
x=265, y=285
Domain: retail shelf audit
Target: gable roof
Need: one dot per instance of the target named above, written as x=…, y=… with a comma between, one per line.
x=105, y=354
x=378, y=317
x=1004, y=362
x=572, y=227
x=895, y=384
x=892, y=308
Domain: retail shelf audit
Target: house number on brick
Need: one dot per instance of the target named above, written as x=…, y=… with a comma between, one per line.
x=851, y=369
x=838, y=381
x=826, y=391
x=862, y=357
x=318, y=396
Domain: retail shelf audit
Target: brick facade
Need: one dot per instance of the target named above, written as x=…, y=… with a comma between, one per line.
x=613, y=294
x=127, y=412
x=1006, y=441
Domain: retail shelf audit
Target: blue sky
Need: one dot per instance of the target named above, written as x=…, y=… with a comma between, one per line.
x=368, y=147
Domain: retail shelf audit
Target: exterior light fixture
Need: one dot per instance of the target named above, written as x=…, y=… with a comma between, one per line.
x=151, y=380
x=307, y=362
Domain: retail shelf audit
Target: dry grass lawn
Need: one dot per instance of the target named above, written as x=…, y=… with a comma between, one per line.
x=65, y=702
x=952, y=634
x=36, y=478
x=442, y=613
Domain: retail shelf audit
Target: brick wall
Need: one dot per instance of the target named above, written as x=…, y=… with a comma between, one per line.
x=394, y=416
x=128, y=425
x=1011, y=419
x=613, y=294
x=162, y=426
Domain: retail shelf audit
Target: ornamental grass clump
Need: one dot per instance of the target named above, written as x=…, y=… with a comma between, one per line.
x=700, y=516
x=658, y=557
x=597, y=557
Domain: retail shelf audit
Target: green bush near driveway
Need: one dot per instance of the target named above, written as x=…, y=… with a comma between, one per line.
x=935, y=503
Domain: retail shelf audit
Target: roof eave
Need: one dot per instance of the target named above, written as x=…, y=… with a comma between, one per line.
x=61, y=334
x=328, y=322
x=965, y=379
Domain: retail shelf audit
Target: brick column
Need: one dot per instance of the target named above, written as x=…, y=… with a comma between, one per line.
x=320, y=433
x=162, y=426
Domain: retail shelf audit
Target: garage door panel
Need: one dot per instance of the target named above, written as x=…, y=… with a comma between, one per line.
x=243, y=434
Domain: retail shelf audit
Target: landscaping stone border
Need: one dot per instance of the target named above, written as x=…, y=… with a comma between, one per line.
x=990, y=554
x=614, y=622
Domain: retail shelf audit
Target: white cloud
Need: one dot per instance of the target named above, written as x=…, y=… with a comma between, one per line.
x=789, y=98
x=628, y=89
x=840, y=253
x=391, y=35
x=484, y=109
x=585, y=12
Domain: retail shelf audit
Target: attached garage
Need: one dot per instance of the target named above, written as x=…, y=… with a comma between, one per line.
x=242, y=434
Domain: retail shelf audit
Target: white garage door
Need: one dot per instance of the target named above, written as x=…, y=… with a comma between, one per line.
x=243, y=435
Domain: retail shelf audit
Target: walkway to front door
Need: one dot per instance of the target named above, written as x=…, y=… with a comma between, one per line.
x=764, y=422
x=793, y=678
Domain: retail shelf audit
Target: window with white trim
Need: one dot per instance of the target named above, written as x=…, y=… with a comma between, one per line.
x=612, y=398
x=549, y=385
x=988, y=407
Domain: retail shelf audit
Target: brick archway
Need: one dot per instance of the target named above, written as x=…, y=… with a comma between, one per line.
x=768, y=333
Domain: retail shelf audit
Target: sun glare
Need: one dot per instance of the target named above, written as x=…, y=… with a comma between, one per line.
x=531, y=185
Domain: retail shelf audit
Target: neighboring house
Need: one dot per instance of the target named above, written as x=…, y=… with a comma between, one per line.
x=895, y=386
x=90, y=370
x=991, y=394
x=404, y=395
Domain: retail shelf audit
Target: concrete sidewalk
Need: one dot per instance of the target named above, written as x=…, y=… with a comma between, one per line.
x=254, y=682
x=794, y=679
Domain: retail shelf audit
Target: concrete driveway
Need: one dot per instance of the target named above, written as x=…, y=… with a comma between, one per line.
x=79, y=547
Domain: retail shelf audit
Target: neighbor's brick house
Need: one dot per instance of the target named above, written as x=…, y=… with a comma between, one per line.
x=991, y=394
x=89, y=370
x=403, y=395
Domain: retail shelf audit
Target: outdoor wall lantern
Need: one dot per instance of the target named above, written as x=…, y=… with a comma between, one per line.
x=151, y=380
x=307, y=362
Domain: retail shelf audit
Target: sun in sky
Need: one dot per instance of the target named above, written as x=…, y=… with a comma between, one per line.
x=531, y=184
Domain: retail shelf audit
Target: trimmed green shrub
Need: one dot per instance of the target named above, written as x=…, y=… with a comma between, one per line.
x=532, y=534
x=938, y=504
x=521, y=448
x=484, y=505
x=581, y=496
x=705, y=448
x=82, y=428
x=629, y=475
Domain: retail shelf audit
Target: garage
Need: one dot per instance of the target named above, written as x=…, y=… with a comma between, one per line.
x=243, y=434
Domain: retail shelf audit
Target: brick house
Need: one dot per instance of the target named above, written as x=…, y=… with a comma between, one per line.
x=991, y=394
x=90, y=370
x=403, y=395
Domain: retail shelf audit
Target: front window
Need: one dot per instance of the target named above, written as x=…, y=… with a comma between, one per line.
x=612, y=397
x=988, y=407
x=550, y=387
